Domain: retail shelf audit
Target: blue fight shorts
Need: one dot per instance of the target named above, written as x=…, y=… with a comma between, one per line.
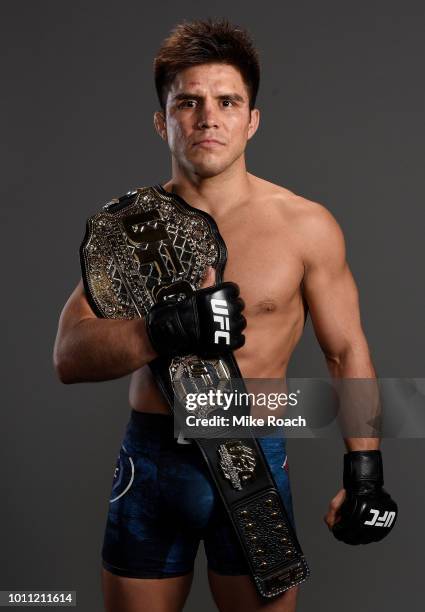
x=164, y=501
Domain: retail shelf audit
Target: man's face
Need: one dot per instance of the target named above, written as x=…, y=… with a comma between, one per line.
x=207, y=119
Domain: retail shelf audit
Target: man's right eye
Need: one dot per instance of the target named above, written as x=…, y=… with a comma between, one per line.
x=186, y=103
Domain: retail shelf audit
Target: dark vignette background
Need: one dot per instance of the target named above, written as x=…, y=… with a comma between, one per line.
x=342, y=99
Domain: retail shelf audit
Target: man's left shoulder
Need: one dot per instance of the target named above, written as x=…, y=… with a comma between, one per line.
x=301, y=207
x=308, y=218
x=307, y=214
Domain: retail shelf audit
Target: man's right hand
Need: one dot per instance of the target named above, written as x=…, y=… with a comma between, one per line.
x=209, y=323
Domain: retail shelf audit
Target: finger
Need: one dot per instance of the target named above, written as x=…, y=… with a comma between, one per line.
x=209, y=278
x=332, y=515
x=240, y=343
x=240, y=324
x=331, y=518
x=232, y=290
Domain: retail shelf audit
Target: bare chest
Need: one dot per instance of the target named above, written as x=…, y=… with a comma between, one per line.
x=264, y=260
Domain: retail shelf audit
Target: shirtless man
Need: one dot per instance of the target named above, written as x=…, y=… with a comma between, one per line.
x=286, y=254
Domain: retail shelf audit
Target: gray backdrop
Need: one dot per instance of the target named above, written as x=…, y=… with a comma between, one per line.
x=342, y=99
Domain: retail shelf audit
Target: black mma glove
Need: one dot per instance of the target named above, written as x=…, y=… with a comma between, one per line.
x=368, y=513
x=208, y=323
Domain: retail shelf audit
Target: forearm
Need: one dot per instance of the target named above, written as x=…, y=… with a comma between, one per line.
x=102, y=349
x=359, y=399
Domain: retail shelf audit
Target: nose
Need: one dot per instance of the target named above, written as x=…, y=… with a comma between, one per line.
x=207, y=116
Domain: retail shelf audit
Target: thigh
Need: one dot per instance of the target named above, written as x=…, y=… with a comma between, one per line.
x=123, y=594
x=233, y=593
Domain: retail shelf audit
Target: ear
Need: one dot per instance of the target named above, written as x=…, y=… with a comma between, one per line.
x=253, y=122
x=160, y=124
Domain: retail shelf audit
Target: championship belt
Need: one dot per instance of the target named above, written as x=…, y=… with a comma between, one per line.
x=149, y=246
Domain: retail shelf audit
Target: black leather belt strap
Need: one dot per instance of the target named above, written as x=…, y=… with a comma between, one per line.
x=151, y=245
x=252, y=502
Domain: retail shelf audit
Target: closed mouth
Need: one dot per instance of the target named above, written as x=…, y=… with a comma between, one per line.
x=208, y=141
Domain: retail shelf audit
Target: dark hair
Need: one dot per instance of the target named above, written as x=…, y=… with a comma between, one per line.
x=202, y=42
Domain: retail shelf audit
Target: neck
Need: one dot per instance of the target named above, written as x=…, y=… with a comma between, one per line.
x=215, y=195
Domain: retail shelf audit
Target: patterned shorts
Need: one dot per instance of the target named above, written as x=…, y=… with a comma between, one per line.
x=163, y=502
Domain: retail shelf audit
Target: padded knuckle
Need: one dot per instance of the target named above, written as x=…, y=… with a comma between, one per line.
x=231, y=288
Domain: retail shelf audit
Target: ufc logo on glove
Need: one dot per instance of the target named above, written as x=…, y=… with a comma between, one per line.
x=386, y=520
x=221, y=316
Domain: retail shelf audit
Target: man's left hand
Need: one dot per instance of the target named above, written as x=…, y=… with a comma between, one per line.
x=333, y=514
x=362, y=512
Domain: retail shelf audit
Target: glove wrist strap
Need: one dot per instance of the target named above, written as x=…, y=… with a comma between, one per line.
x=361, y=467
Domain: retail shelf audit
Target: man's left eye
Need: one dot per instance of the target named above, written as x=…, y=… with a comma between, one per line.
x=230, y=101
